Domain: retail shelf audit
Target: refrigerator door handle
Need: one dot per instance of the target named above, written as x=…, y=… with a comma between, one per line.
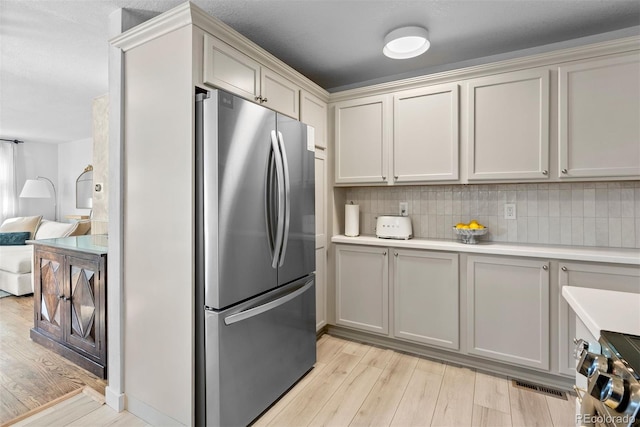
x=281, y=199
x=287, y=198
x=252, y=312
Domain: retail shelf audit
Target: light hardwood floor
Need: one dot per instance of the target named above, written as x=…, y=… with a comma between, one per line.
x=355, y=384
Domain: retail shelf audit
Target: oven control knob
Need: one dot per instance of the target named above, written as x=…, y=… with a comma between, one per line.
x=581, y=347
x=608, y=389
x=592, y=363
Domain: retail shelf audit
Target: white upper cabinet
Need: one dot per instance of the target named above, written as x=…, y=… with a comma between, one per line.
x=599, y=110
x=231, y=70
x=362, y=135
x=279, y=93
x=425, y=134
x=508, y=126
x=313, y=111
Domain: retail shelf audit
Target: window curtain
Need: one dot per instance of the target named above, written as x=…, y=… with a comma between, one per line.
x=8, y=193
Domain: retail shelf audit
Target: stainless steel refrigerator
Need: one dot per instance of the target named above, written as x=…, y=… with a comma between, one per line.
x=255, y=252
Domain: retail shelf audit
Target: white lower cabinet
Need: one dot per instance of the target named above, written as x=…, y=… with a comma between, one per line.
x=508, y=310
x=425, y=297
x=362, y=288
x=587, y=275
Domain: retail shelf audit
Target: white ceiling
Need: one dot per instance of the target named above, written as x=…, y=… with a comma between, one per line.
x=53, y=53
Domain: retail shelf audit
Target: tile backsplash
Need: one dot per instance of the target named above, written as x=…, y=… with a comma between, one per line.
x=603, y=214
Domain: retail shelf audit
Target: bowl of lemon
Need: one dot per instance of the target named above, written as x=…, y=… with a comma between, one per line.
x=469, y=232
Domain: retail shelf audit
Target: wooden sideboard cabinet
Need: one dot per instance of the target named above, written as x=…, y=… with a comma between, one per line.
x=70, y=307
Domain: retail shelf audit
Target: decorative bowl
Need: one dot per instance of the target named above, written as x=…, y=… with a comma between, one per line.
x=469, y=235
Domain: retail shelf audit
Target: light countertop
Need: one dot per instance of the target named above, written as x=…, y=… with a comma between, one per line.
x=569, y=253
x=602, y=310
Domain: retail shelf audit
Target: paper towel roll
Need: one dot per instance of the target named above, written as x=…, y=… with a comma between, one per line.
x=352, y=220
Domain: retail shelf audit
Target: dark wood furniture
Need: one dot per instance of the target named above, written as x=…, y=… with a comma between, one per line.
x=70, y=307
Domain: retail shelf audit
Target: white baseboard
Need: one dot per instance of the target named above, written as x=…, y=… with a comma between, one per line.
x=114, y=399
x=150, y=414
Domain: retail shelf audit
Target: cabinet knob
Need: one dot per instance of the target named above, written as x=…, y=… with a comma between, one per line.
x=395, y=177
x=258, y=98
x=395, y=254
x=565, y=171
x=384, y=178
x=384, y=253
x=545, y=172
x=564, y=268
x=545, y=268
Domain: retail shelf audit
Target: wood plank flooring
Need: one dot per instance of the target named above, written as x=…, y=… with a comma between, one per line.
x=30, y=374
x=354, y=384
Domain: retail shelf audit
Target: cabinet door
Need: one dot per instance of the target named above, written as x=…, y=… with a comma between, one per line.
x=508, y=310
x=229, y=69
x=425, y=290
x=279, y=94
x=321, y=239
x=50, y=293
x=425, y=134
x=597, y=276
x=87, y=306
x=313, y=111
x=362, y=288
x=508, y=129
x=598, y=126
x=362, y=129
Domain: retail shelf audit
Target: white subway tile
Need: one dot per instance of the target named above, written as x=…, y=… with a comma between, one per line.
x=577, y=231
x=554, y=230
x=602, y=203
x=629, y=231
x=532, y=229
x=627, y=203
x=615, y=232
x=577, y=202
x=565, y=230
x=602, y=231
x=589, y=232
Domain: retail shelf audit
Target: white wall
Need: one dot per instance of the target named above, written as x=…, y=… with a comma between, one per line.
x=62, y=164
x=72, y=158
x=36, y=159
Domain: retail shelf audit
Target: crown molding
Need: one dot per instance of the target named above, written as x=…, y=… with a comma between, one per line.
x=162, y=24
x=553, y=58
x=190, y=14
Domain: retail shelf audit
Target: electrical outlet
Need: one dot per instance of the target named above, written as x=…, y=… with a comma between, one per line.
x=404, y=208
x=509, y=211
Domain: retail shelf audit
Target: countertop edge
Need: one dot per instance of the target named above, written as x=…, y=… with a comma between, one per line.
x=601, y=310
x=569, y=253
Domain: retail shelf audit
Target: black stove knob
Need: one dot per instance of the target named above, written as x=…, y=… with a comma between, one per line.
x=608, y=389
x=592, y=363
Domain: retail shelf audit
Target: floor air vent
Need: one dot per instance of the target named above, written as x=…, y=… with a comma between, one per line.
x=539, y=389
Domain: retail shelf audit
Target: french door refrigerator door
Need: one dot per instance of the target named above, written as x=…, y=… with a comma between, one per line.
x=257, y=350
x=298, y=255
x=236, y=150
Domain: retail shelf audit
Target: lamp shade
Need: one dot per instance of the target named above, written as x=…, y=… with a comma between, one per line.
x=35, y=189
x=406, y=42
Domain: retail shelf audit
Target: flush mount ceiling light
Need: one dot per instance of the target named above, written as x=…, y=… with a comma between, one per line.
x=406, y=42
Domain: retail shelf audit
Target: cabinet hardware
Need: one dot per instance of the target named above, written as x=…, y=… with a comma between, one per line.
x=545, y=172
x=545, y=268
x=396, y=254
x=258, y=98
x=384, y=178
x=564, y=268
x=263, y=100
x=384, y=253
x=565, y=171
x=395, y=177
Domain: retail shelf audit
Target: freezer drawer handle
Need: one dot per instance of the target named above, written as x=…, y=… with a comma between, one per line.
x=246, y=314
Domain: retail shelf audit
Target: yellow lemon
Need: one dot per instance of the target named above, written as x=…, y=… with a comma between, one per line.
x=473, y=221
x=476, y=226
x=460, y=225
x=465, y=227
